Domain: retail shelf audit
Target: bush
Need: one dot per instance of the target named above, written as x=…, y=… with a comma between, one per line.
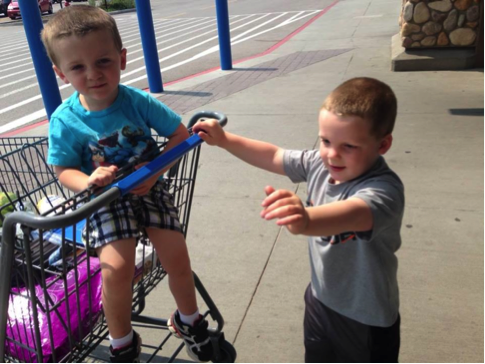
x=113, y=5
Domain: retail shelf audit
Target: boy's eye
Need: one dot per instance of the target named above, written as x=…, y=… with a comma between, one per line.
x=77, y=67
x=349, y=146
x=104, y=61
x=325, y=141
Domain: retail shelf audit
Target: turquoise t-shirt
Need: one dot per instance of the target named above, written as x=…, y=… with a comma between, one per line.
x=116, y=135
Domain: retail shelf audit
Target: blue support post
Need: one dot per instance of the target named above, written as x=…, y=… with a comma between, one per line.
x=149, y=44
x=222, y=11
x=43, y=67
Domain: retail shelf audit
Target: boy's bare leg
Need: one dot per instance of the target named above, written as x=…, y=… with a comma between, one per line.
x=117, y=269
x=173, y=254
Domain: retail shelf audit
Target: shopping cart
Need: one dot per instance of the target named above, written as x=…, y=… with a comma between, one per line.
x=50, y=283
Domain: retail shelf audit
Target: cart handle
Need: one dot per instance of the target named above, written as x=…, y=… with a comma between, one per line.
x=220, y=117
x=156, y=165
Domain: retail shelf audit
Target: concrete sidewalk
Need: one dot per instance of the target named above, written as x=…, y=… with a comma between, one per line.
x=257, y=273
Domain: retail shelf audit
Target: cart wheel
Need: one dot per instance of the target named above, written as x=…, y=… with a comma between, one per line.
x=227, y=353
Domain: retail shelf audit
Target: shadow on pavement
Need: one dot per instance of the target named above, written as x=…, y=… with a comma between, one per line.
x=467, y=112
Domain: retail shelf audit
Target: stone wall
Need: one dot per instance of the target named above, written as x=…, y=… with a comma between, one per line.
x=439, y=23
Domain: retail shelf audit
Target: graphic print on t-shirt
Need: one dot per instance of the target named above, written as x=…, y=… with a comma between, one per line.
x=121, y=147
x=340, y=238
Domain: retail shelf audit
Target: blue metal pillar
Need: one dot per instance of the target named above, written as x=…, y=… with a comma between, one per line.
x=222, y=11
x=43, y=67
x=149, y=44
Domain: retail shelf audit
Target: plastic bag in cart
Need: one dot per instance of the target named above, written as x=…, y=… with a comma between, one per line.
x=20, y=324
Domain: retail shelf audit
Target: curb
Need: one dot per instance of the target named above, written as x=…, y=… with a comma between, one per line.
x=122, y=11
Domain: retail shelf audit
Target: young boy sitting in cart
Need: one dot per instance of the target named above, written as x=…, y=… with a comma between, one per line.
x=352, y=217
x=100, y=128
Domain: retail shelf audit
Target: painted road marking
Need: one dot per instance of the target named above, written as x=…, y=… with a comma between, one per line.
x=258, y=24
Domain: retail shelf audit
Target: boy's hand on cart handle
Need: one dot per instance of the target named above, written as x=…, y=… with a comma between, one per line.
x=210, y=131
x=287, y=208
x=102, y=176
x=146, y=186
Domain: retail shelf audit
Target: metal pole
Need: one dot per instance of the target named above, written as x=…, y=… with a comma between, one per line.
x=149, y=44
x=43, y=67
x=222, y=11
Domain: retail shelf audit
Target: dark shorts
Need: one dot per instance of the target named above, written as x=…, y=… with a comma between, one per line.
x=129, y=215
x=333, y=338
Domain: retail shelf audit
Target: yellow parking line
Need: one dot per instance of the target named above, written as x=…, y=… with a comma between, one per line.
x=208, y=7
x=172, y=16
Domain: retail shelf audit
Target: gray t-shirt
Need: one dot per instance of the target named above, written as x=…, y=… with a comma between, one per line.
x=355, y=274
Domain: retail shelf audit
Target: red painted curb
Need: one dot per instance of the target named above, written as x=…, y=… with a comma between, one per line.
x=268, y=51
x=24, y=129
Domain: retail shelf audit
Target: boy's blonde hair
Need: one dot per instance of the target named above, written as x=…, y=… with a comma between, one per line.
x=368, y=98
x=78, y=20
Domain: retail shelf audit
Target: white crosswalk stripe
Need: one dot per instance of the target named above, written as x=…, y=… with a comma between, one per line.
x=180, y=41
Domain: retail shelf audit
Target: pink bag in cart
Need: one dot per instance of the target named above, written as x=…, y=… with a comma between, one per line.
x=81, y=311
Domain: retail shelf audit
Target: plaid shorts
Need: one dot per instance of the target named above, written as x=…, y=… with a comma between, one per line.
x=127, y=217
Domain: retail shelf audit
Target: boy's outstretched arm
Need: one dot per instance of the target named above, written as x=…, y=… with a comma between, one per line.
x=257, y=153
x=352, y=215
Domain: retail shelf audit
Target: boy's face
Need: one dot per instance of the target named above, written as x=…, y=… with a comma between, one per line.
x=347, y=147
x=92, y=65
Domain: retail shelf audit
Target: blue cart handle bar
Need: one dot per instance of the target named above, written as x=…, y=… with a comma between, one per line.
x=141, y=175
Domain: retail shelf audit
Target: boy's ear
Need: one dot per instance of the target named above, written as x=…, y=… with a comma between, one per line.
x=385, y=145
x=61, y=75
x=123, y=59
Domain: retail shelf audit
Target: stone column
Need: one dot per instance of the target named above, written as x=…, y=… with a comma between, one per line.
x=480, y=46
x=439, y=23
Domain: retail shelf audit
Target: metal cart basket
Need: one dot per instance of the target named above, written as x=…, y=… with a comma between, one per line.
x=50, y=283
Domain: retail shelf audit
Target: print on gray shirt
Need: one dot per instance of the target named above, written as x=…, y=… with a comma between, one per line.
x=355, y=273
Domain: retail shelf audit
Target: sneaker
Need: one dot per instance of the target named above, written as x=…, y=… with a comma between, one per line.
x=129, y=353
x=197, y=341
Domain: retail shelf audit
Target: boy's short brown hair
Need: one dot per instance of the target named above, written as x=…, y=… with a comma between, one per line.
x=78, y=20
x=367, y=98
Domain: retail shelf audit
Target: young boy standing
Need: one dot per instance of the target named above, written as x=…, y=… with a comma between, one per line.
x=352, y=217
x=102, y=126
